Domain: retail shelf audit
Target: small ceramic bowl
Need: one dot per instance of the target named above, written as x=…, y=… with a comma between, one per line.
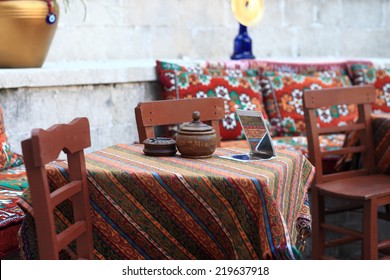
x=160, y=147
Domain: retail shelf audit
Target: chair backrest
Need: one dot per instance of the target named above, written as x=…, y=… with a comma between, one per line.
x=362, y=96
x=164, y=112
x=43, y=147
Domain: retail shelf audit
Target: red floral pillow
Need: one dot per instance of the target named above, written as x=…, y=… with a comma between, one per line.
x=238, y=92
x=283, y=99
x=380, y=79
x=7, y=157
x=167, y=74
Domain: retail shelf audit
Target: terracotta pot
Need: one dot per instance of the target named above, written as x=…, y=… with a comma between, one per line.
x=196, y=140
x=25, y=36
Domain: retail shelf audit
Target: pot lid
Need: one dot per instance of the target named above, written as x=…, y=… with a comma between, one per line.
x=196, y=125
x=159, y=141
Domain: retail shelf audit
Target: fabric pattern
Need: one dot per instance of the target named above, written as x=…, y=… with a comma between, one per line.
x=13, y=182
x=167, y=74
x=355, y=71
x=8, y=159
x=380, y=79
x=177, y=208
x=240, y=89
x=237, y=92
x=381, y=128
x=381, y=131
x=283, y=98
x=282, y=66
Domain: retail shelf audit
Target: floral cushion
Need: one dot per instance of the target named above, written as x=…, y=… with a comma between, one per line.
x=167, y=74
x=7, y=157
x=380, y=79
x=283, y=99
x=238, y=93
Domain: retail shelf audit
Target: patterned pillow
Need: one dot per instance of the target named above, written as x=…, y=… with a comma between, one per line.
x=167, y=74
x=238, y=92
x=7, y=157
x=304, y=68
x=282, y=93
x=380, y=79
x=355, y=70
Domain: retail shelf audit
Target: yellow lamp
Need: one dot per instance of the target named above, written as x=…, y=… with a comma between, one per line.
x=248, y=12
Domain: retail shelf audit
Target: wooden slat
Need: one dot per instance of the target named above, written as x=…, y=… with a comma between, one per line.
x=384, y=244
x=342, y=175
x=340, y=241
x=65, y=192
x=167, y=111
x=343, y=128
x=343, y=208
x=346, y=231
x=164, y=112
x=70, y=234
x=337, y=96
x=343, y=151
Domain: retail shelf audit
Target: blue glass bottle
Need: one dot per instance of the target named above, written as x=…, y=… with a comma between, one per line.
x=242, y=45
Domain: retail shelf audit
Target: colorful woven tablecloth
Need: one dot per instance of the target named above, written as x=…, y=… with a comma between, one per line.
x=176, y=208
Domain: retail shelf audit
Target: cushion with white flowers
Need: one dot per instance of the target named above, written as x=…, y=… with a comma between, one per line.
x=377, y=77
x=238, y=93
x=167, y=74
x=283, y=99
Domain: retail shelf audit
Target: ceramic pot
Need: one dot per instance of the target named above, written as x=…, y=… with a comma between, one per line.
x=196, y=140
x=25, y=36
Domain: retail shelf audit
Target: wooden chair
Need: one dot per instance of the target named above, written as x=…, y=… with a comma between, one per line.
x=164, y=112
x=43, y=147
x=363, y=186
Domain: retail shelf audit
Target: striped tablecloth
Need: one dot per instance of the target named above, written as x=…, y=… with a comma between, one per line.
x=176, y=208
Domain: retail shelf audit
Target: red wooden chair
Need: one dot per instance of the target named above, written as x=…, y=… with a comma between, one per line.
x=360, y=187
x=163, y=112
x=43, y=147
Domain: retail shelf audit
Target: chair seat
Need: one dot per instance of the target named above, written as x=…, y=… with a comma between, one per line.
x=361, y=187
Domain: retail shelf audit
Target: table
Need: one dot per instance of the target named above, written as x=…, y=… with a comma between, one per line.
x=176, y=208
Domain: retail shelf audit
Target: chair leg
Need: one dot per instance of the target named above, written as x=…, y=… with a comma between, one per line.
x=370, y=230
x=318, y=217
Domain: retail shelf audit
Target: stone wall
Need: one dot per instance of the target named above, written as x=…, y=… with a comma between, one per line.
x=109, y=108
x=128, y=29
